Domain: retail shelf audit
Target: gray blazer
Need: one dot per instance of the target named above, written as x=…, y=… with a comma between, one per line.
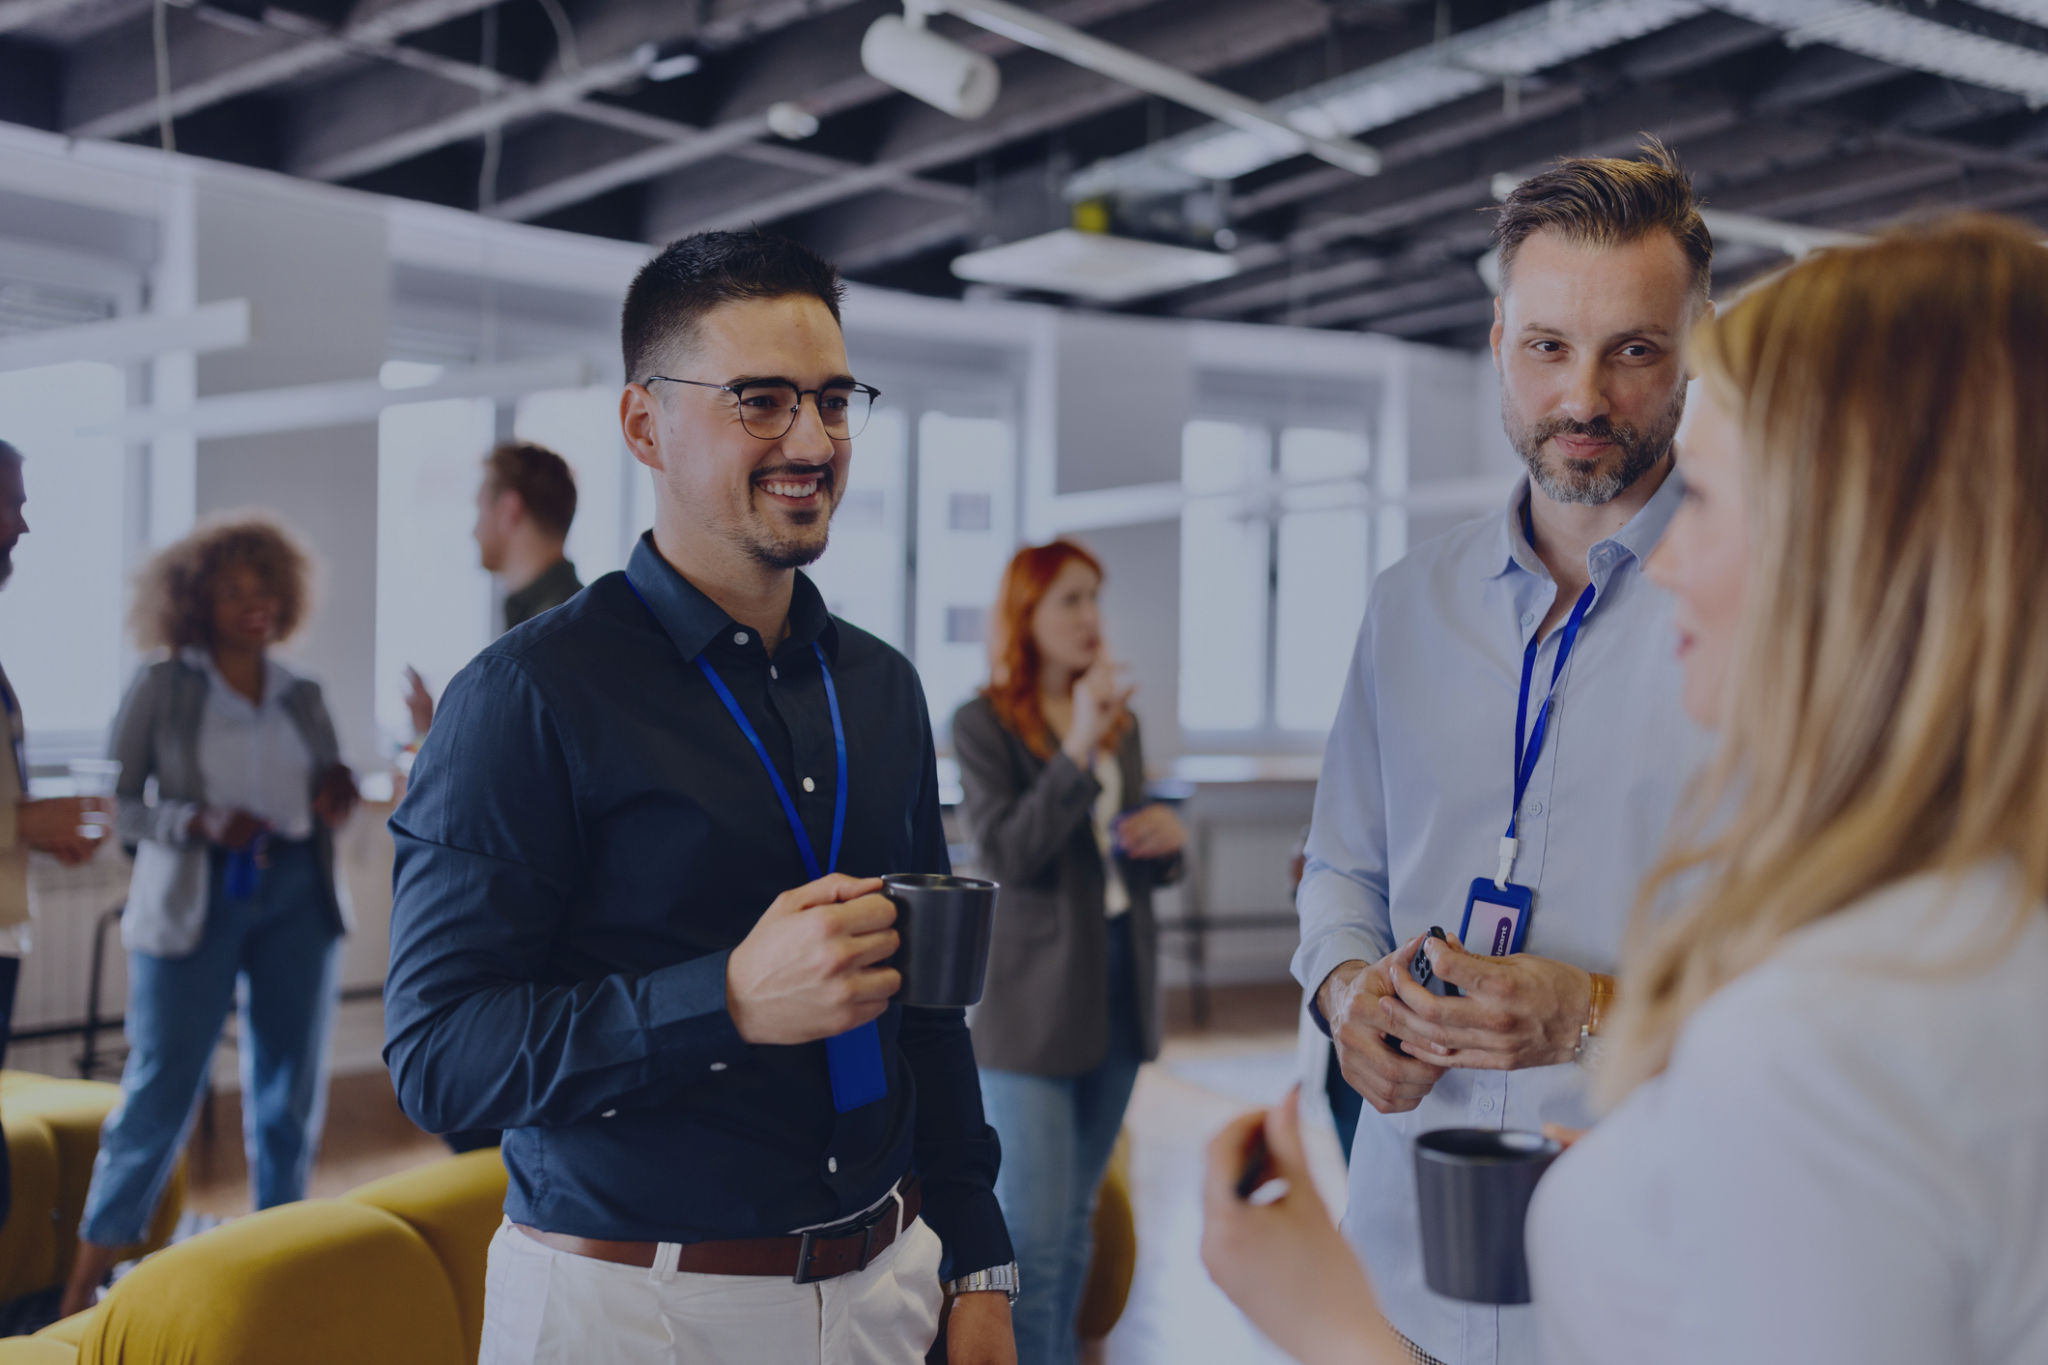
x=156, y=735
x=1046, y=1010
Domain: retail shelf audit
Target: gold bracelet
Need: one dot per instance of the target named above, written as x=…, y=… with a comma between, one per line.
x=1603, y=996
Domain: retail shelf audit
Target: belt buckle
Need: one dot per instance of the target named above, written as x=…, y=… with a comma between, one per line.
x=804, y=1252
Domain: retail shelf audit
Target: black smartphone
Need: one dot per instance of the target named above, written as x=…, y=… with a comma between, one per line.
x=1419, y=968
x=1425, y=977
x=1256, y=1160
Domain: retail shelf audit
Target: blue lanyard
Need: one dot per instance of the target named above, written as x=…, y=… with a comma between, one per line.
x=1527, y=753
x=854, y=1058
x=796, y=824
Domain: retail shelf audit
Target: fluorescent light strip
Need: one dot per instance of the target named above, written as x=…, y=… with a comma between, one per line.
x=1904, y=40
x=1386, y=92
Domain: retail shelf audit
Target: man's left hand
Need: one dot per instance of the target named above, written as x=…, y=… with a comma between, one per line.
x=1516, y=1011
x=978, y=1330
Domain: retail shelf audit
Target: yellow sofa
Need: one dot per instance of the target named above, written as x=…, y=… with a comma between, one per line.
x=392, y=1273
x=53, y=1134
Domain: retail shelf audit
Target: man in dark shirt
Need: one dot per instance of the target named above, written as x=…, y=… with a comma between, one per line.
x=608, y=937
x=524, y=508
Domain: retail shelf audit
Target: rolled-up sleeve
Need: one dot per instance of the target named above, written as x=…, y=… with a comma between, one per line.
x=1343, y=896
x=488, y=862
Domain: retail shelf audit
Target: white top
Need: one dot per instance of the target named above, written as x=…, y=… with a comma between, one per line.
x=252, y=756
x=1414, y=797
x=1847, y=1159
x=1109, y=802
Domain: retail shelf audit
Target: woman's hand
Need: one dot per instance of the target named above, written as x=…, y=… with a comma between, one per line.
x=1284, y=1263
x=335, y=798
x=1150, y=832
x=233, y=829
x=1099, y=696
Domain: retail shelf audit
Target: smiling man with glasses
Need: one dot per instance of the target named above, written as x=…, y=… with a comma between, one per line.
x=635, y=920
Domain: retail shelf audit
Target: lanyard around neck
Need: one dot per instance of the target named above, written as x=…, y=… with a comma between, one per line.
x=1526, y=753
x=796, y=824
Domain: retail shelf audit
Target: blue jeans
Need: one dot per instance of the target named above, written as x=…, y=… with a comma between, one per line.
x=280, y=944
x=1057, y=1134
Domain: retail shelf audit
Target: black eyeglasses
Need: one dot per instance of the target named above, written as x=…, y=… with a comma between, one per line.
x=768, y=407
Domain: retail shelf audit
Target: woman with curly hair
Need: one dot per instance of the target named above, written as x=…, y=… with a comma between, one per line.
x=1055, y=784
x=234, y=876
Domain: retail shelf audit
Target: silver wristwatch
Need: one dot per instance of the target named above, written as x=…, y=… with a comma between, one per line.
x=1003, y=1277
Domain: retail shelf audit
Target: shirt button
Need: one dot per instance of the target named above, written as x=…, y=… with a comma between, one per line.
x=772, y=673
x=1535, y=808
x=1528, y=618
x=832, y=1164
x=608, y=1113
x=739, y=637
x=718, y=1066
x=809, y=785
x=1487, y=1104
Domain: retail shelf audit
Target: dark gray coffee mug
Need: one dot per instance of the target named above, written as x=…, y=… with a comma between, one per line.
x=946, y=924
x=1475, y=1185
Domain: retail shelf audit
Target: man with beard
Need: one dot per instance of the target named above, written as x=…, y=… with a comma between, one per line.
x=1514, y=675
x=48, y=826
x=635, y=919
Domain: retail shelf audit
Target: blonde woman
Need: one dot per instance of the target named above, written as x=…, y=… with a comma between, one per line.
x=1830, y=1136
x=234, y=876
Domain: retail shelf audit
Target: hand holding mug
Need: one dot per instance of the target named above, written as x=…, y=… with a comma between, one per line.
x=811, y=967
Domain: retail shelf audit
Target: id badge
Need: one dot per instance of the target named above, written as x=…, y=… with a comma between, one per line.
x=1499, y=916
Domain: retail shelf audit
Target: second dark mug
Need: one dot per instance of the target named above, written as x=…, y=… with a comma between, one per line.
x=1474, y=1186
x=946, y=925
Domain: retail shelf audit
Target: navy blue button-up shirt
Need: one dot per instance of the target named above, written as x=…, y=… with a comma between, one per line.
x=586, y=837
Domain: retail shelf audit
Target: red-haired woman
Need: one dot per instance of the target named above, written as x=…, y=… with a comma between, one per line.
x=1055, y=784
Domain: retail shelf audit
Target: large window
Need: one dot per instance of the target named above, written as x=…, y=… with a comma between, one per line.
x=63, y=611
x=1276, y=559
x=433, y=598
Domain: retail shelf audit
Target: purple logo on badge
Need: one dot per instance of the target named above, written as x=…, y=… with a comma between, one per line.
x=1503, y=935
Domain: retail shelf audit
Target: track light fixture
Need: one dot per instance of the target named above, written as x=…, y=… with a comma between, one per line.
x=902, y=52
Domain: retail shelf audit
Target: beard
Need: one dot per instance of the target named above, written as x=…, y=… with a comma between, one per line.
x=1637, y=451
x=770, y=549
x=6, y=564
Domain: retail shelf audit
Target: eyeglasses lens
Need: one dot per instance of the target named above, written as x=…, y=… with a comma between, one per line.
x=769, y=410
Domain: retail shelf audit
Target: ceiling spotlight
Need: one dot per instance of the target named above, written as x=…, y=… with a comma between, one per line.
x=939, y=71
x=787, y=118
x=659, y=68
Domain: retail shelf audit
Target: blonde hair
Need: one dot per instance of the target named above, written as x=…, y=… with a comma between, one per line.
x=1886, y=708
x=174, y=590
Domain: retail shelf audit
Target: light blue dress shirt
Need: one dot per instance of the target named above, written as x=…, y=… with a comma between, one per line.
x=1416, y=784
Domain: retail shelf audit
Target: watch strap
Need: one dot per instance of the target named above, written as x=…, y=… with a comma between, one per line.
x=995, y=1277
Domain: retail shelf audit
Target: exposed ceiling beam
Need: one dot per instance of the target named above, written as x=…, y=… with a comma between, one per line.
x=1042, y=93
x=831, y=83
x=1432, y=74
x=229, y=62
x=16, y=14
x=1904, y=39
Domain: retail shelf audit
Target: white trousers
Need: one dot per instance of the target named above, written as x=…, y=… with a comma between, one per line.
x=548, y=1307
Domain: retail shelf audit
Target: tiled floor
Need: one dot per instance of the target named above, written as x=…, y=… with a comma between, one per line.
x=1175, y=1316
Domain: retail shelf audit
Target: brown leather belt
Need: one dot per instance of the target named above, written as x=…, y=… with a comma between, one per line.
x=801, y=1256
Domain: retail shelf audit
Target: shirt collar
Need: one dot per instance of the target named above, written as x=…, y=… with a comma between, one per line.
x=275, y=678
x=1638, y=537
x=693, y=621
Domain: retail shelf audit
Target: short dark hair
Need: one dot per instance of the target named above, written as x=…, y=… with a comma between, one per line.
x=541, y=478
x=8, y=452
x=1610, y=201
x=696, y=274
